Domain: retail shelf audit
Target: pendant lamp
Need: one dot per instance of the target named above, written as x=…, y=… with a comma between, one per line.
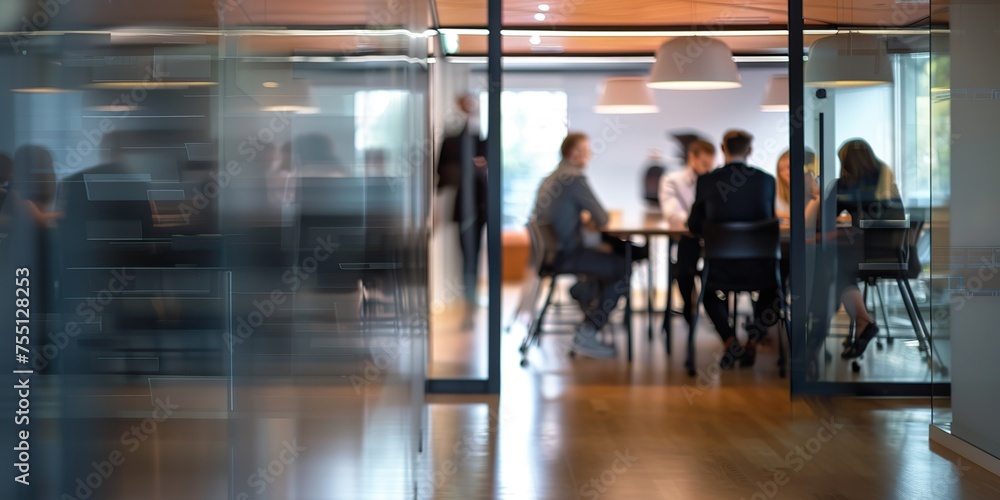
x=694, y=63
x=776, y=94
x=626, y=95
x=851, y=60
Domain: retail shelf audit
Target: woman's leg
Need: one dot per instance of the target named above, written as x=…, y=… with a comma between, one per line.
x=854, y=304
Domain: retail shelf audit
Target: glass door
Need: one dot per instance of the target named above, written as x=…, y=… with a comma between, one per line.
x=862, y=279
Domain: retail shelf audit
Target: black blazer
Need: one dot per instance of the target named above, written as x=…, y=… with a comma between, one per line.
x=736, y=192
x=456, y=156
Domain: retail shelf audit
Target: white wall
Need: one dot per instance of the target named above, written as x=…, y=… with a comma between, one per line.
x=622, y=143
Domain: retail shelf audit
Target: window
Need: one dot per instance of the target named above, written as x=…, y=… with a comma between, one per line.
x=534, y=124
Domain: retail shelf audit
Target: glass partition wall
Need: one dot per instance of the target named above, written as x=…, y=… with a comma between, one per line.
x=965, y=253
x=224, y=231
x=869, y=145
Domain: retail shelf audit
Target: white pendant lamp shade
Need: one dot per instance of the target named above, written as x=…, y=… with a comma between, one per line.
x=626, y=95
x=848, y=61
x=776, y=94
x=694, y=63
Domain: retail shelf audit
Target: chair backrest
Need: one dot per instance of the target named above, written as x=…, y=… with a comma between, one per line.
x=651, y=185
x=886, y=246
x=542, y=239
x=742, y=240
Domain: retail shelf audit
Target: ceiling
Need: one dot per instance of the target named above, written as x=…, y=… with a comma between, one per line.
x=663, y=13
x=563, y=15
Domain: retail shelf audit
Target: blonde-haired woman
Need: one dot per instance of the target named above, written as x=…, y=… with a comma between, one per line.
x=783, y=193
x=866, y=189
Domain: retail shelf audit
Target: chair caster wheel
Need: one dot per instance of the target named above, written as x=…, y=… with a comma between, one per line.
x=879, y=345
x=523, y=349
x=524, y=362
x=572, y=353
x=855, y=367
x=691, y=372
x=889, y=340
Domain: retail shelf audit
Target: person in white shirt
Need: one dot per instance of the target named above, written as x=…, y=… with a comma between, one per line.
x=677, y=191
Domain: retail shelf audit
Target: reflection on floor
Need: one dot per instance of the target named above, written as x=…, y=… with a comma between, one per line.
x=899, y=359
x=564, y=428
x=458, y=350
x=582, y=428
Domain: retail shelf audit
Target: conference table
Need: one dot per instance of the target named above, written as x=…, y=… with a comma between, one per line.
x=647, y=225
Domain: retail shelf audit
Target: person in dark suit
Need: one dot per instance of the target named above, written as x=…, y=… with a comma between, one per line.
x=737, y=192
x=462, y=168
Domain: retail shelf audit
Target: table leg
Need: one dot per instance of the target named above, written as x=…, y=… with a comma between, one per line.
x=650, y=289
x=667, y=312
x=628, y=296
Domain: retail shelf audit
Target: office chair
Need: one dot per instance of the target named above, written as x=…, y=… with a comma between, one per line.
x=740, y=241
x=890, y=254
x=542, y=242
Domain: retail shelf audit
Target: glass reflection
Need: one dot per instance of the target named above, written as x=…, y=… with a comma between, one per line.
x=868, y=268
x=227, y=255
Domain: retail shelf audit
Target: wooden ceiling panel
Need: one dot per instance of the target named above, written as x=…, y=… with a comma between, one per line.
x=476, y=45
x=624, y=13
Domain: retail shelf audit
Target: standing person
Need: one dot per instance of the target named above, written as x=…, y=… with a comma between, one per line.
x=566, y=204
x=462, y=168
x=737, y=192
x=677, y=190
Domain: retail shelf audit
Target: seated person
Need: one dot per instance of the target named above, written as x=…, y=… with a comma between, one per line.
x=783, y=198
x=676, y=197
x=566, y=203
x=719, y=200
x=866, y=190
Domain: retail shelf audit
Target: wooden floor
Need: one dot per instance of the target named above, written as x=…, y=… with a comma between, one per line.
x=579, y=428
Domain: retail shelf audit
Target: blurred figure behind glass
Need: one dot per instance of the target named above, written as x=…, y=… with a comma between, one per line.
x=462, y=169
x=866, y=190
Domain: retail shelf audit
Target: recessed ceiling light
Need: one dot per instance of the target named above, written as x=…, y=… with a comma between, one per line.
x=544, y=7
x=539, y=17
x=271, y=85
x=535, y=39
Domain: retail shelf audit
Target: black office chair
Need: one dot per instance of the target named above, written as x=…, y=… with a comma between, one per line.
x=542, y=270
x=739, y=241
x=890, y=254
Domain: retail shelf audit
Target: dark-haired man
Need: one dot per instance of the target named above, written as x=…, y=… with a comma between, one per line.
x=736, y=192
x=566, y=204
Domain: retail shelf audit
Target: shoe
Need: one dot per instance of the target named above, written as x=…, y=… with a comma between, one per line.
x=731, y=355
x=585, y=342
x=583, y=292
x=749, y=356
x=856, y=349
